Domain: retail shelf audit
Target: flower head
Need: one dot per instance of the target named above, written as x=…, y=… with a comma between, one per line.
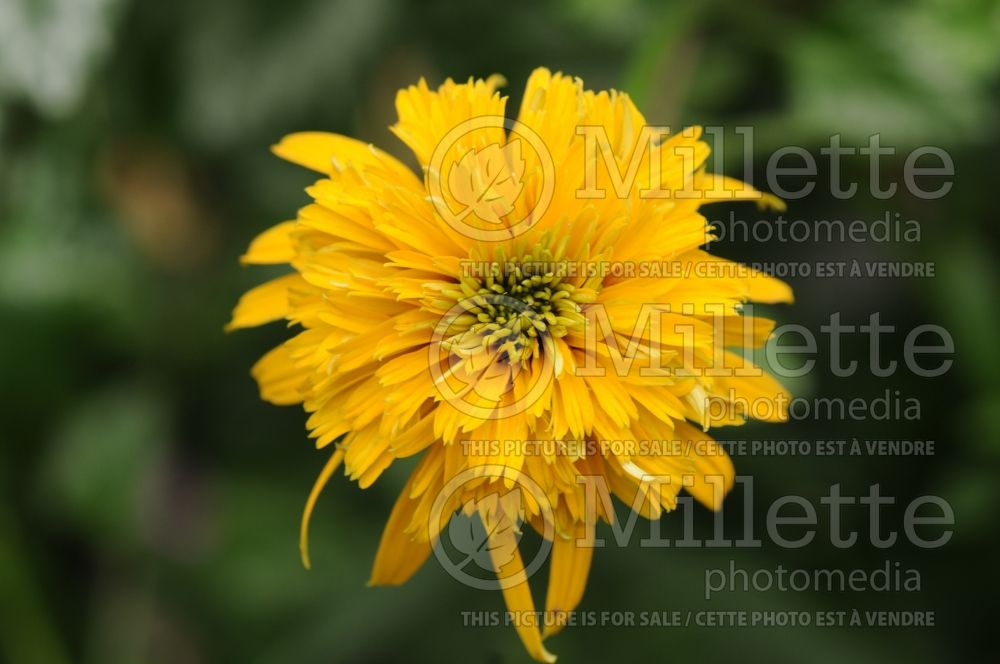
x=541, y=281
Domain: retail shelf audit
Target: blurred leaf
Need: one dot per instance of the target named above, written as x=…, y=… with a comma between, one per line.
x=54, y=247
x=913, y=71
x=48, y=49
x=26, y=633
x=242, y=76
x=98, y=469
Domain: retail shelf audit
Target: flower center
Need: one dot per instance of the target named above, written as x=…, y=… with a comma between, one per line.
x=509, y=308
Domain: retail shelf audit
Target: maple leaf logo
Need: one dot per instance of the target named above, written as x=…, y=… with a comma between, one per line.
x=490, y=541
x=488, y=181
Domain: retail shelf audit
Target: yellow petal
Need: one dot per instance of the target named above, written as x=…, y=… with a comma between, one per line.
x=718, y=188
x=517, y=594
x=768, y=289
x=426, y=116
x=265, y=303
x=767, y=399
x=567, y=577
x=324, y=477
x=281, y=382
x=331, y=153
x=272, y=246
x=710, y=460
x=551, y=107
x=757, y=285
x=399, y=553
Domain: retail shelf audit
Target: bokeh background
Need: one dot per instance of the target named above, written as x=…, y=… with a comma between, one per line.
x=149, y=502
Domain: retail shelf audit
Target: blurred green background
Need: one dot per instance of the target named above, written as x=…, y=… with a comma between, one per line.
x=149, y=502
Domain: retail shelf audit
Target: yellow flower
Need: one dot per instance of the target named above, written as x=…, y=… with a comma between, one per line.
x=507, y=295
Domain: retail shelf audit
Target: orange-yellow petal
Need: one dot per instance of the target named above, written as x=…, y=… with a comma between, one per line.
x=714, y=474
x=517, y=593
x=400, y=554
x=324, y=477
x=272, y=246
x=567, y=577
x=280, y=380
x=265, y=303
x=330, y=154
